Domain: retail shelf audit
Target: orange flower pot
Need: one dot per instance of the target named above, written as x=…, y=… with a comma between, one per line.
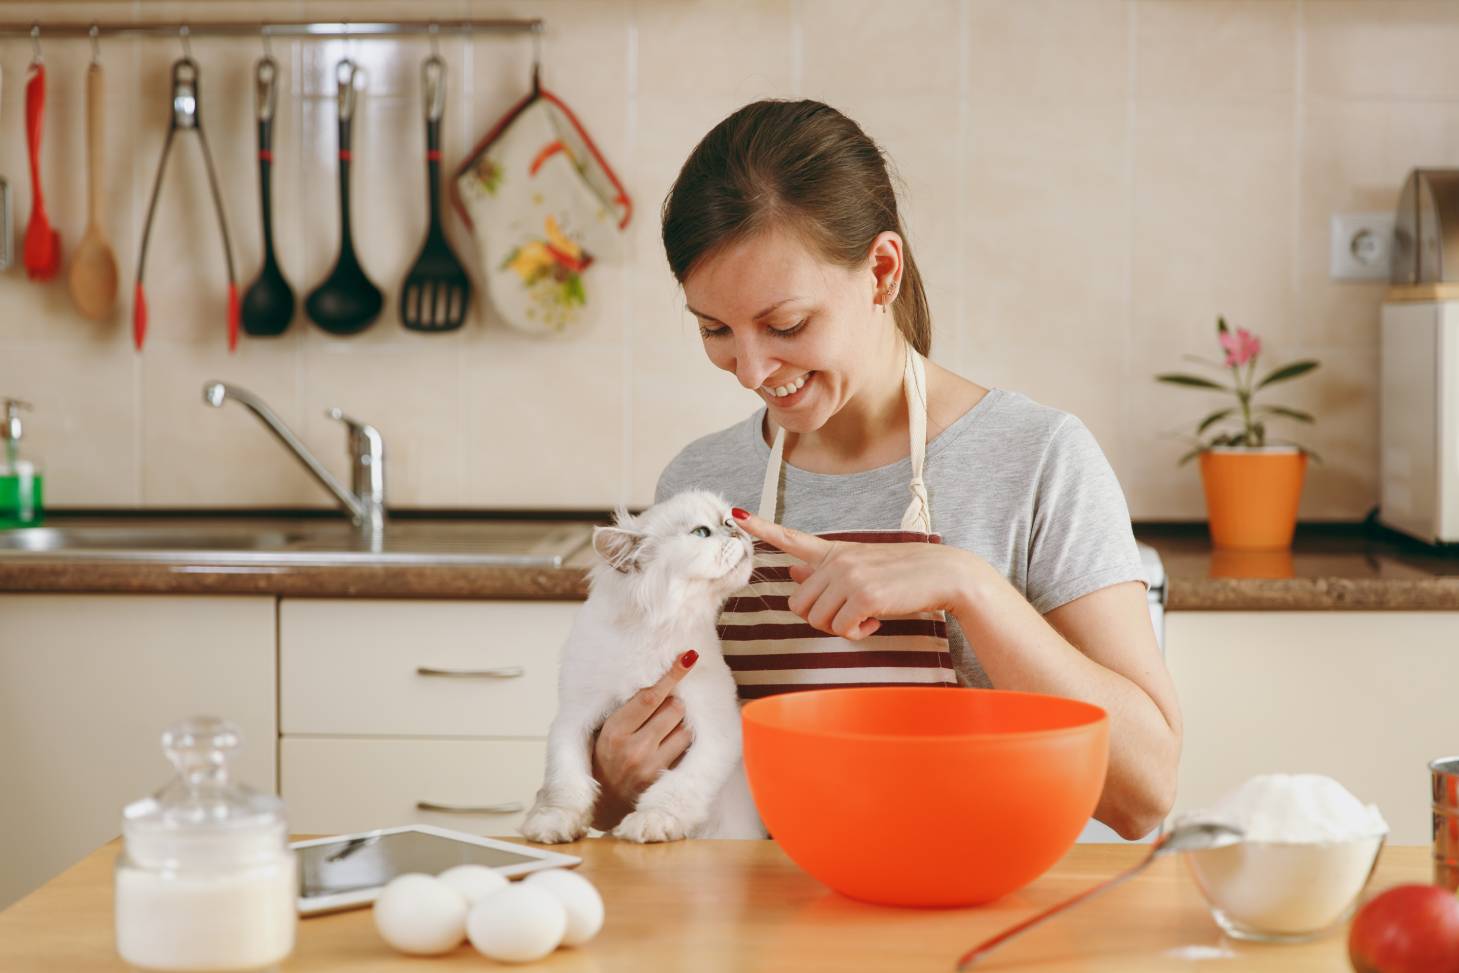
x=1252, y=495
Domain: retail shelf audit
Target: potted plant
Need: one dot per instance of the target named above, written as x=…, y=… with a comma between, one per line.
x=1252, y=481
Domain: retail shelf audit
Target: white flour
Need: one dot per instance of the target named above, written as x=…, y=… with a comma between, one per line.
x=1302, y=808
x=1309, y=849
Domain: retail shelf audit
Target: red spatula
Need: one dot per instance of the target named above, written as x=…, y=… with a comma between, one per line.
x=42, y=252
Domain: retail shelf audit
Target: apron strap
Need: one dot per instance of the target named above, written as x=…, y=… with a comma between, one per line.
x=918, y=516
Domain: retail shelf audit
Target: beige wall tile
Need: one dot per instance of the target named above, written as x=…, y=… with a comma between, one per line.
x=1048, y=50
x=540, y=433
x=1214, y=223
x=713, y=47
x=83, y=428
x=1365, y=49
x=1199, y=49
x=197, y=456
x=864, y=48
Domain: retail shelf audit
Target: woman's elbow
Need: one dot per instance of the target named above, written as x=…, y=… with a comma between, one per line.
x=1145, y=802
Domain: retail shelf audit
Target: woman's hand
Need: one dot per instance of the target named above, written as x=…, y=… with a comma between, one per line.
x=639, y=741
x=845, y=587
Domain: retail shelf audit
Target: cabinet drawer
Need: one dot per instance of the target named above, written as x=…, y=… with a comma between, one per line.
x=339, y=785
x=420, y=668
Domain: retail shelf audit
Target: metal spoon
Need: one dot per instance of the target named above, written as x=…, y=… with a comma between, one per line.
x=268, y=304
x=347, y=302
x=1187, y=836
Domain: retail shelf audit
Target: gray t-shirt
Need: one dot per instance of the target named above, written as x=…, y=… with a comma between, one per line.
x=1022, y=485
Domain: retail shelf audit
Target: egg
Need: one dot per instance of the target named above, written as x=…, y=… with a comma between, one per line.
x=518, y=924
x=581, y=901
x=473, y=881
x=420, y=914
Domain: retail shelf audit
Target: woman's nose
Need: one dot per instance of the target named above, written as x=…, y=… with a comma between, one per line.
x=752, y=369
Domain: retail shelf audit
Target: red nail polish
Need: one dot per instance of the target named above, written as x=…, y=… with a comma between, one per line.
x=688, y=659
x=738, y=513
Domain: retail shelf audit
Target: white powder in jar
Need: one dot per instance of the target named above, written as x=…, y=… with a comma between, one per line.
x=1309, y=850
x=242, y=919
x=1299, y=808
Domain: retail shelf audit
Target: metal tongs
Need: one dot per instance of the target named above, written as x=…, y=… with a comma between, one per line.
x=185, y=116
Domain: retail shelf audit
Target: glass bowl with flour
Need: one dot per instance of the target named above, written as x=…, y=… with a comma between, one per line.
x=1310, y=848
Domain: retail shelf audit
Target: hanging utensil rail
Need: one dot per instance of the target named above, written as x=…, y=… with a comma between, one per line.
x=322, y=30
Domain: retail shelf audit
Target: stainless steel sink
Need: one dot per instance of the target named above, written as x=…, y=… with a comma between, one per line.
x=510, y=543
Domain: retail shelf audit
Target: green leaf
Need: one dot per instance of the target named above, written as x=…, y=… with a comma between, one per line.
x=1212, y=418
x=1288, y=371
x=1221, y=325
x=1194, y=381
x=1190, y=456
x=1281, y=410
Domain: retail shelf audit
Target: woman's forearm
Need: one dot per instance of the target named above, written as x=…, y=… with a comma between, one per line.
x=1020, y=650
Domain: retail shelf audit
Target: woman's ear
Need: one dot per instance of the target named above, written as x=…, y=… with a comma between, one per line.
x=886, y=264
x=618, y=546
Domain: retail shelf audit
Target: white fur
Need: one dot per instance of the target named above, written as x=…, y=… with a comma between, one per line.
x=656, y=592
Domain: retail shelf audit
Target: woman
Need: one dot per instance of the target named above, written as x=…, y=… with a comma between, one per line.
x=782, y=228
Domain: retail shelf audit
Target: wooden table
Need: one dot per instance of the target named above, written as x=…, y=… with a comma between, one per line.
x=712, y=906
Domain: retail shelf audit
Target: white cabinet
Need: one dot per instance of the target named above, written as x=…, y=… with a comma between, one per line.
x=1365, y=697
x=387, y=706
x=87, y=685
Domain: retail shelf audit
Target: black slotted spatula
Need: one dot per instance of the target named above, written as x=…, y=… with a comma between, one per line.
x=437, y=293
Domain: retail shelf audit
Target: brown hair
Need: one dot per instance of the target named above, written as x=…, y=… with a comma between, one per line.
x=802, y=162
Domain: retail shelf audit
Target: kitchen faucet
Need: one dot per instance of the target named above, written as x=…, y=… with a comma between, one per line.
x=366, y=503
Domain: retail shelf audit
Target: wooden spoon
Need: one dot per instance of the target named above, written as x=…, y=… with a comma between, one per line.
x=94, y=268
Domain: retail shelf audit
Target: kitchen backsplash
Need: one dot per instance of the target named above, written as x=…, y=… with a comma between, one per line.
x=1088, y=183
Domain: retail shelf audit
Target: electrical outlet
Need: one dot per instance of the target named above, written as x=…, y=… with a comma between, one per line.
x=1362, y=245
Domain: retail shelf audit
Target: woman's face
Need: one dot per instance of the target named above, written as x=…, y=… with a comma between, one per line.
x=784, y=320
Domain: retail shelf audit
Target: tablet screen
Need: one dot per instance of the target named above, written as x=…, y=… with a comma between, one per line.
x=370, y=861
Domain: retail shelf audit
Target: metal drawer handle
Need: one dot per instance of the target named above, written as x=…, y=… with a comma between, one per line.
x=502, y=672
x=510, y=807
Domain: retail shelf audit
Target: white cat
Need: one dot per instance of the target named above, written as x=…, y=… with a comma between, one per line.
x=656, y=592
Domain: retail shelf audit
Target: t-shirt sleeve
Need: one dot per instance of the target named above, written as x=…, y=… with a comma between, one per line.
x=1081, y=538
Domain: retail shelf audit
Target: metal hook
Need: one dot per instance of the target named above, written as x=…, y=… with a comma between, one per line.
x=35, y=44
x=268, y=46
x=95, y=32
x=182, y=35
x=435, y=31
x=536, y=57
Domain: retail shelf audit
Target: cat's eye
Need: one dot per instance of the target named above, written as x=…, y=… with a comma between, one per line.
x=701, y=531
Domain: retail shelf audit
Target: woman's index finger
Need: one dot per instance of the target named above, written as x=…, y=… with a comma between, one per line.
x=797, y=543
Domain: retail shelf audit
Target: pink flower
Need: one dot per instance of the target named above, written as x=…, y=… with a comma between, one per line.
x=1241, y=347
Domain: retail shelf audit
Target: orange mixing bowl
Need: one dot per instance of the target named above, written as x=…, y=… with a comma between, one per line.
x=924, y=796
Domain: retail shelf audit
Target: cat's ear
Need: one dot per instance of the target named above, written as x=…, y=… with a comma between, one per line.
x=618, y=546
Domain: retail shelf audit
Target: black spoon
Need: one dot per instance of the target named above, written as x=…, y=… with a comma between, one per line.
x=347, y=302
x=268, y=304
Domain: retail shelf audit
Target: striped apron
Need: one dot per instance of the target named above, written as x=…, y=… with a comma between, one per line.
x=772, y=650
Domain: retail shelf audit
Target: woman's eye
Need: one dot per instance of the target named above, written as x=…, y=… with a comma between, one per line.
x=701, y=531
x=708, y=332
x=787, y=332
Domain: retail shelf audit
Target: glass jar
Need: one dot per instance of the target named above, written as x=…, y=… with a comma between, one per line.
x=206, y=879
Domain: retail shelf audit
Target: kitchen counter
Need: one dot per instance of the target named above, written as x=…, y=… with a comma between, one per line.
x=744, y=906
x=1343, y=567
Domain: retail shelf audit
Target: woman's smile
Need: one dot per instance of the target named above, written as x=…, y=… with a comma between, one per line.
x=788, y=394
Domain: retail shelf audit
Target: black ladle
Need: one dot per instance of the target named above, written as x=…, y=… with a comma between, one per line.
x=347, y=302
x=268, y=304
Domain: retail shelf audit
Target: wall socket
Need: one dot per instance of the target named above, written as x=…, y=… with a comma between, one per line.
x=1362, y=245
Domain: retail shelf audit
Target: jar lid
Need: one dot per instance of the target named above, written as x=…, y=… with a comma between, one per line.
x=203, y=816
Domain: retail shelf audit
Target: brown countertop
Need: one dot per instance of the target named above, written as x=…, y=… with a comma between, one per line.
x=1342, y=567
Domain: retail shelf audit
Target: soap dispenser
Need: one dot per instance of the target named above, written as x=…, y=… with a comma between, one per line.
x=22, y=500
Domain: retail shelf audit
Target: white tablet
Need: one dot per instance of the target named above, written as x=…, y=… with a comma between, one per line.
x=349, y=870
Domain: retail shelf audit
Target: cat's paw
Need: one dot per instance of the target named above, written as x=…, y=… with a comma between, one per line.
x=652, y=824
x=549, y=824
